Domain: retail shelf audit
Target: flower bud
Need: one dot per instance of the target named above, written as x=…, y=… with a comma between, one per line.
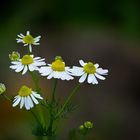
x=58, y=58
x=2, y=88
x=81, y=127
x=14, y=56
x=88, y=125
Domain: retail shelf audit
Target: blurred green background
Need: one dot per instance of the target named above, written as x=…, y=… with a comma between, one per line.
x=106, y=32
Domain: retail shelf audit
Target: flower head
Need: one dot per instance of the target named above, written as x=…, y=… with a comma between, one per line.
x=28, y=39
x=88, y=125
x=26, y=97
x=14, y=56
x=57, y=69
x=2, y=88
x=27, y=62
x=90, y=71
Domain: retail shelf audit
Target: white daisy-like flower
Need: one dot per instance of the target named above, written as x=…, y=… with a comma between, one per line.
x=56, y=69
x=28, y=39
x=27, y=62
x=26, y=97
x=90, y=71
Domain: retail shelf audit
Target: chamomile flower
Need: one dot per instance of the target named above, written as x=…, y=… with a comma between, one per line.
x=28, y=39
x=56, y=69
x=90, y=71
x=27, y=62
x=26, y=97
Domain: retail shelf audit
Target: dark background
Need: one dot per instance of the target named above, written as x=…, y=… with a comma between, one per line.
x=106, y=32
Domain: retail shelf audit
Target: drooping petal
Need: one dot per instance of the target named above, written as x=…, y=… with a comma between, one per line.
x=20, y=68
x=31, y=67
x=94, y=80
x=25, y=70
x=30, y=101
x=27, y=106
x=34, y=99
x=90, y=78
x=83, y=78
x=36, y=95
x=22, y=102
x=17, y=101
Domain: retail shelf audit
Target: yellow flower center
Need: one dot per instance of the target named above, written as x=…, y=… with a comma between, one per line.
x=26, y=60
x=24, y=91
x=28, y=39
x=89, y=68
x=58, y=65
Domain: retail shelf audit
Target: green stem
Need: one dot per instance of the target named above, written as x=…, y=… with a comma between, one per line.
x=41, y=120
x=50, y=127
x=6, y=97
x=53, y=92
x=36, y=118
x=36, y=81
x=68, y=99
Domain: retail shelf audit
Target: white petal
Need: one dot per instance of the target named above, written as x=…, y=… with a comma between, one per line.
x=82, y=63
x=25, y=70
x=27, y=106
x=51, y=75
x=22, y=102
x=94, y=80
x=37, y=63
x=76, y=71
x=17, y=101
x=68, y=77
x=37, y=38
x=20, y=68
x=30, y=101
x=56, y=74
x=102, y=71
x=45, y=70
x=15, y=98
x=14, y=66
x=34, y=99
x=25, y=44
x=43, y=59
x=31, y=67
x=28, y=33
x=37, y=58
x=36, y=95
x=16, y=62
x=30, y=47
x=83, y=78
x=99, y=76
x=90, y=78
x=96, y=66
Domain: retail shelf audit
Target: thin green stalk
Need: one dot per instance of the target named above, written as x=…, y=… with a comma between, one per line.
x=53, y=92
x=36, y=81
x=6, y=97
x=36, y=118
x=50, y=127
x=41, y=119
x=68, y=99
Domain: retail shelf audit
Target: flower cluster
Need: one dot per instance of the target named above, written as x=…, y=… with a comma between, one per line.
x=57, y=69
